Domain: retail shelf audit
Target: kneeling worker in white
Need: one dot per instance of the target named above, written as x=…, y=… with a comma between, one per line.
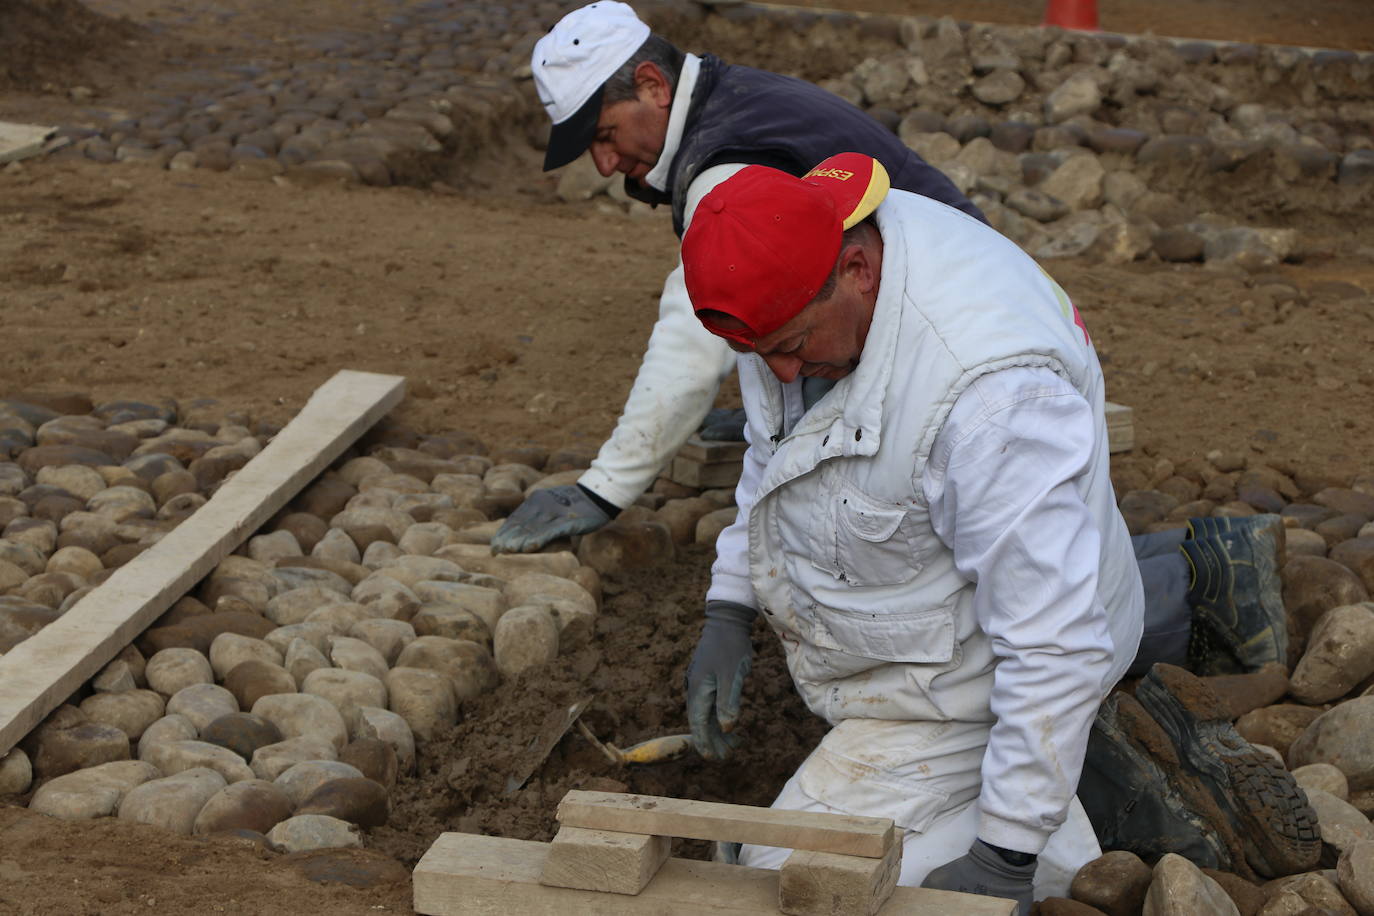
x=926, y=520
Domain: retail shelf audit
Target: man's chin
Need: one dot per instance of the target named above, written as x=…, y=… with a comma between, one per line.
x=829, y=373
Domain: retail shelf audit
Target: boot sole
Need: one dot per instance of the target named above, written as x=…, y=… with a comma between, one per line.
x=1147, y=760
x=1275, y=822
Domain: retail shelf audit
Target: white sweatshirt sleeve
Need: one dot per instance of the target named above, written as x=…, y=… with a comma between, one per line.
x=730, y=571
x=1002, y=485
x=676, y=385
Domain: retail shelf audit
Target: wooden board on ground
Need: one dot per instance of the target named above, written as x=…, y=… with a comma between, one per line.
x=464, y=873
x=1120, y=428
x=699, y=820
x=20, y=141
x=43, y=670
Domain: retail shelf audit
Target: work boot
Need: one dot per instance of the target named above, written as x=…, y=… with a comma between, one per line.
x=1271, y=814
x=1211, y=526
x=1138, y=798
x=1239, y=622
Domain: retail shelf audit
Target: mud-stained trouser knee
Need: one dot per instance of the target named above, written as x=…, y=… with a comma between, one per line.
x=933, y=799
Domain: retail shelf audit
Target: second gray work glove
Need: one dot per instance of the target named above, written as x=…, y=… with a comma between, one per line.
x=716, y=676
x=723, y=424
x=983, y=871
x=548, y=514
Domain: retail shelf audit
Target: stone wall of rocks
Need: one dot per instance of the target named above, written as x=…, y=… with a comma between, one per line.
x=415, y=101
x=1074, y=144
x=1080, y=144
x=286, y=695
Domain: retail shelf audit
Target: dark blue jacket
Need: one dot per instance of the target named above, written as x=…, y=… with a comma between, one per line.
x=742, y=115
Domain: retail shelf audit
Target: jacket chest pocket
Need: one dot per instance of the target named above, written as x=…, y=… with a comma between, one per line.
x=866, y=542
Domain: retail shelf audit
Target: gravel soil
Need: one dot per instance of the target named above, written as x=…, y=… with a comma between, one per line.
x=516, y=317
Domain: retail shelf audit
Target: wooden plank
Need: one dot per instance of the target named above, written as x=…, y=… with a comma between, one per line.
x=463, y=873
x=1120, y=428
x=604, y=860
x=20, y=141
x=699, y=820
x=43, y=670
x=824, y=884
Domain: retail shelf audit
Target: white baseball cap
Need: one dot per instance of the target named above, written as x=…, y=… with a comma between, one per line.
x=571, y=65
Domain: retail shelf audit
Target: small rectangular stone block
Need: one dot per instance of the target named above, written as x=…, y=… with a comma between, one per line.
x=1120, y=428
x=828, y=884
x=603, y=860
x=710, y=452
x=691, y=473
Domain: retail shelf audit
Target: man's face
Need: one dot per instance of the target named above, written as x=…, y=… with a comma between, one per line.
x=823, y=341
x=826, y=338
x=630, y=134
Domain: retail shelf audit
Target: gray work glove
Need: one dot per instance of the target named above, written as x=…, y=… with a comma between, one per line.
x=547, y=514
x=984, y=871
x=723, y=424
x=716, y=676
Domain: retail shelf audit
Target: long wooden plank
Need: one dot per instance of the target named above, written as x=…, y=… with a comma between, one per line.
x=20, y=141
x=464, y=873
x=699, y=820
x=43, y=670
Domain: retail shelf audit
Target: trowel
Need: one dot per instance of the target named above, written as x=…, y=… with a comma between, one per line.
x=655, y=750
x=551, y=731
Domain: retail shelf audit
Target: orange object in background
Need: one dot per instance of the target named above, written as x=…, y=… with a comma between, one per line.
x=1072, y=14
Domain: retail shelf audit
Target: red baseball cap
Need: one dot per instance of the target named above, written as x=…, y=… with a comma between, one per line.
x=763, y=242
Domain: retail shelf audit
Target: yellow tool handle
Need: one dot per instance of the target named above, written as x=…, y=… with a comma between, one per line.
x=656, y=750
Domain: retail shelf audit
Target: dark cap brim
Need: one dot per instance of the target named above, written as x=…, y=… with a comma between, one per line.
x=571, y=138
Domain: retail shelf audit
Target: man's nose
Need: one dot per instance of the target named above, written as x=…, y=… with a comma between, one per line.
x=605, y=159
x=784, y=365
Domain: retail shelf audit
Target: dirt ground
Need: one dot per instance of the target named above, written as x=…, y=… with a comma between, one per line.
x=519, y=318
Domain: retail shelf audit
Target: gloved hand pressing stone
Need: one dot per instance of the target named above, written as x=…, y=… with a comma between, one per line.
x=547, y=514
x=723, y=424
x=984, y=870
x=716, y=676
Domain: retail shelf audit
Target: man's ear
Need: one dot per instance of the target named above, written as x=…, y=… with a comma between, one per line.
x=652, y=84
x=857, y=261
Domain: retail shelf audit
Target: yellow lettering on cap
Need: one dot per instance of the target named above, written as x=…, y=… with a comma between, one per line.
x=839, y=174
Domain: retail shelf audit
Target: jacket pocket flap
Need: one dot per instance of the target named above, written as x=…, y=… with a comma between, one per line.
x=922, y=636
x=867, y=519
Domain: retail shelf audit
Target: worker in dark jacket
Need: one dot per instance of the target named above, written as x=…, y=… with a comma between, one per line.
x=675, y=125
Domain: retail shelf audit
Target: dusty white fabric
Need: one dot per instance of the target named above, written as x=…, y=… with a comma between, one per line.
x=1033, y=550
x=841, y=545
x=946, y=837
x=676, y=385
x=677, y=121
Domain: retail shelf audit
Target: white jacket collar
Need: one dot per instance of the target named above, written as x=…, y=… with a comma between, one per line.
x=677, y=121
x=856, y=401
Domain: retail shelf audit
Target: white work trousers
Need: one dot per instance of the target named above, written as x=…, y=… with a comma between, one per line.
x=933, y=798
